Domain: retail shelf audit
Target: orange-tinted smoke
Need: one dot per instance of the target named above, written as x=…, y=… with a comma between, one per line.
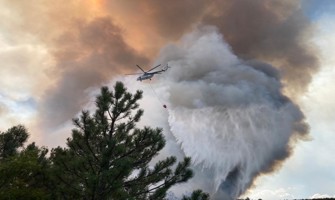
x=90, y=42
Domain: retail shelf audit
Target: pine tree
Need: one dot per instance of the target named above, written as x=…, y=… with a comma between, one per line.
x=23, y=170
x=107, y=157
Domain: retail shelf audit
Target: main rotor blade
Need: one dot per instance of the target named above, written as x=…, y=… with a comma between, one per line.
x=154, y=68
x=157, y=72
x=140, y=69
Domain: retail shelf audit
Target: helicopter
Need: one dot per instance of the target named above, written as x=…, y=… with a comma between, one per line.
x=148, y=74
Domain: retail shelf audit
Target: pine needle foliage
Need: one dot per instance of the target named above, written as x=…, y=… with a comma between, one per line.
x=107, y=157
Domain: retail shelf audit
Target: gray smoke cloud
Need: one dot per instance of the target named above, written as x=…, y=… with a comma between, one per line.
x=229, y=115
x=276, y=32
x=74, y=46
x=89, y=52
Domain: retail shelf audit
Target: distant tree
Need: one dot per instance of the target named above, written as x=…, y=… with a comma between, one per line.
x=107, y=157
x=197, y=195
x=23, y=171
x=12, y=140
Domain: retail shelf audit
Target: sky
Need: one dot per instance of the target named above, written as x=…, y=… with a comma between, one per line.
x=55, y=55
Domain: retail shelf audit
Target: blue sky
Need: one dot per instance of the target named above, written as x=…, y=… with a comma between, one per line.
x=314, y=9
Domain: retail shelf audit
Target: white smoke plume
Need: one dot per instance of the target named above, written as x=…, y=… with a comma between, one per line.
x=229, y=115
